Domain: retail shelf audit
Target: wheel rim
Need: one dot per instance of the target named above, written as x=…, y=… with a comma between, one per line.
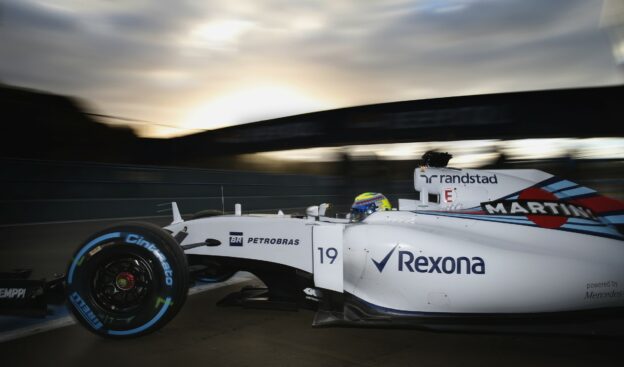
x=122, y=283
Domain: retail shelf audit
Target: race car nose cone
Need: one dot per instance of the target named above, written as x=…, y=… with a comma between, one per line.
x=124, y=281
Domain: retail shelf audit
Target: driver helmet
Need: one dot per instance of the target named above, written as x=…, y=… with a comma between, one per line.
x=366, y=204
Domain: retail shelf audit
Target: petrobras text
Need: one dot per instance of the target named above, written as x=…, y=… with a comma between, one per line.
x=273, y=241
x=236, y=239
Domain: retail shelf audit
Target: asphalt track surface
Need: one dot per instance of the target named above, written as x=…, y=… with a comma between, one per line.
x=206, y=334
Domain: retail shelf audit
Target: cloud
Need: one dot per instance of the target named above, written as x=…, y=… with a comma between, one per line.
x=18, y=13
x=156, y=60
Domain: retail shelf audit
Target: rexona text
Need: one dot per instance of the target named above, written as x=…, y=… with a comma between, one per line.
x=440, y=265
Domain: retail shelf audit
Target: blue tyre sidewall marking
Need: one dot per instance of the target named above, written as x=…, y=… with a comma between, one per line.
x=85, y=311
x=87, y=247
x=151, y=322
x=156, y=252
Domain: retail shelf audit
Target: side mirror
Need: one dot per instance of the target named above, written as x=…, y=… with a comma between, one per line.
x=323, y=209
x=312, y=211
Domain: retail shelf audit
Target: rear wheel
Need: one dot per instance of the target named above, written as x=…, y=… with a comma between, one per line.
x=128, y=280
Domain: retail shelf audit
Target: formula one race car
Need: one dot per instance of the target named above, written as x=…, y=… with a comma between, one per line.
x=508, y=250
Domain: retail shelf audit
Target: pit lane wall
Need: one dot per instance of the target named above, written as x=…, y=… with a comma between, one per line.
x=34, y=191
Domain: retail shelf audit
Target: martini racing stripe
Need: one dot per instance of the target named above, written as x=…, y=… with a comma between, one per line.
x=565, y=189
x=588, y=222
x=507, y=219
x=564, y=184
x=579, y=191
x=615, y=219
x=596, y=229
x=512, y=219
x=484, y=215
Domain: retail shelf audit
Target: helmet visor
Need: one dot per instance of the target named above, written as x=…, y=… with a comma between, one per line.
x=358, y=213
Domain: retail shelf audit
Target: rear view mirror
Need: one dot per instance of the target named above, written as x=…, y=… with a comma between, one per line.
x=312, y=211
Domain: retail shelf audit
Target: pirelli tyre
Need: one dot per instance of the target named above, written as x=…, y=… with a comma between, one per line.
x=127, y=281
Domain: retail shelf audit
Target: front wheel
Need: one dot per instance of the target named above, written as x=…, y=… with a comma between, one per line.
x=128, y=280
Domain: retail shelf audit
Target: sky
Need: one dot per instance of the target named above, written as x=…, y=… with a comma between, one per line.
x=183, y=66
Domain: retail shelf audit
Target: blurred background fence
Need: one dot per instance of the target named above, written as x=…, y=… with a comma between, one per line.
x=33, y=191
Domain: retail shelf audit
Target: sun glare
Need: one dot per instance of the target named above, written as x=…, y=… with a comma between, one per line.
x=251, y=104
x=220, y=34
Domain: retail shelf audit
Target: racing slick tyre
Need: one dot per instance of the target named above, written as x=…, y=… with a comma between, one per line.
x=127, y=281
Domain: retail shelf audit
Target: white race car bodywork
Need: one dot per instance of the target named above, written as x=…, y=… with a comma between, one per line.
x=477, y=243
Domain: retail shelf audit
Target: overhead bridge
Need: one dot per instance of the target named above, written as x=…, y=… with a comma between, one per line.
x=584, y=112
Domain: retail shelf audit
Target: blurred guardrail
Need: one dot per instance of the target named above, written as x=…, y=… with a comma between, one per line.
x=34, y=191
